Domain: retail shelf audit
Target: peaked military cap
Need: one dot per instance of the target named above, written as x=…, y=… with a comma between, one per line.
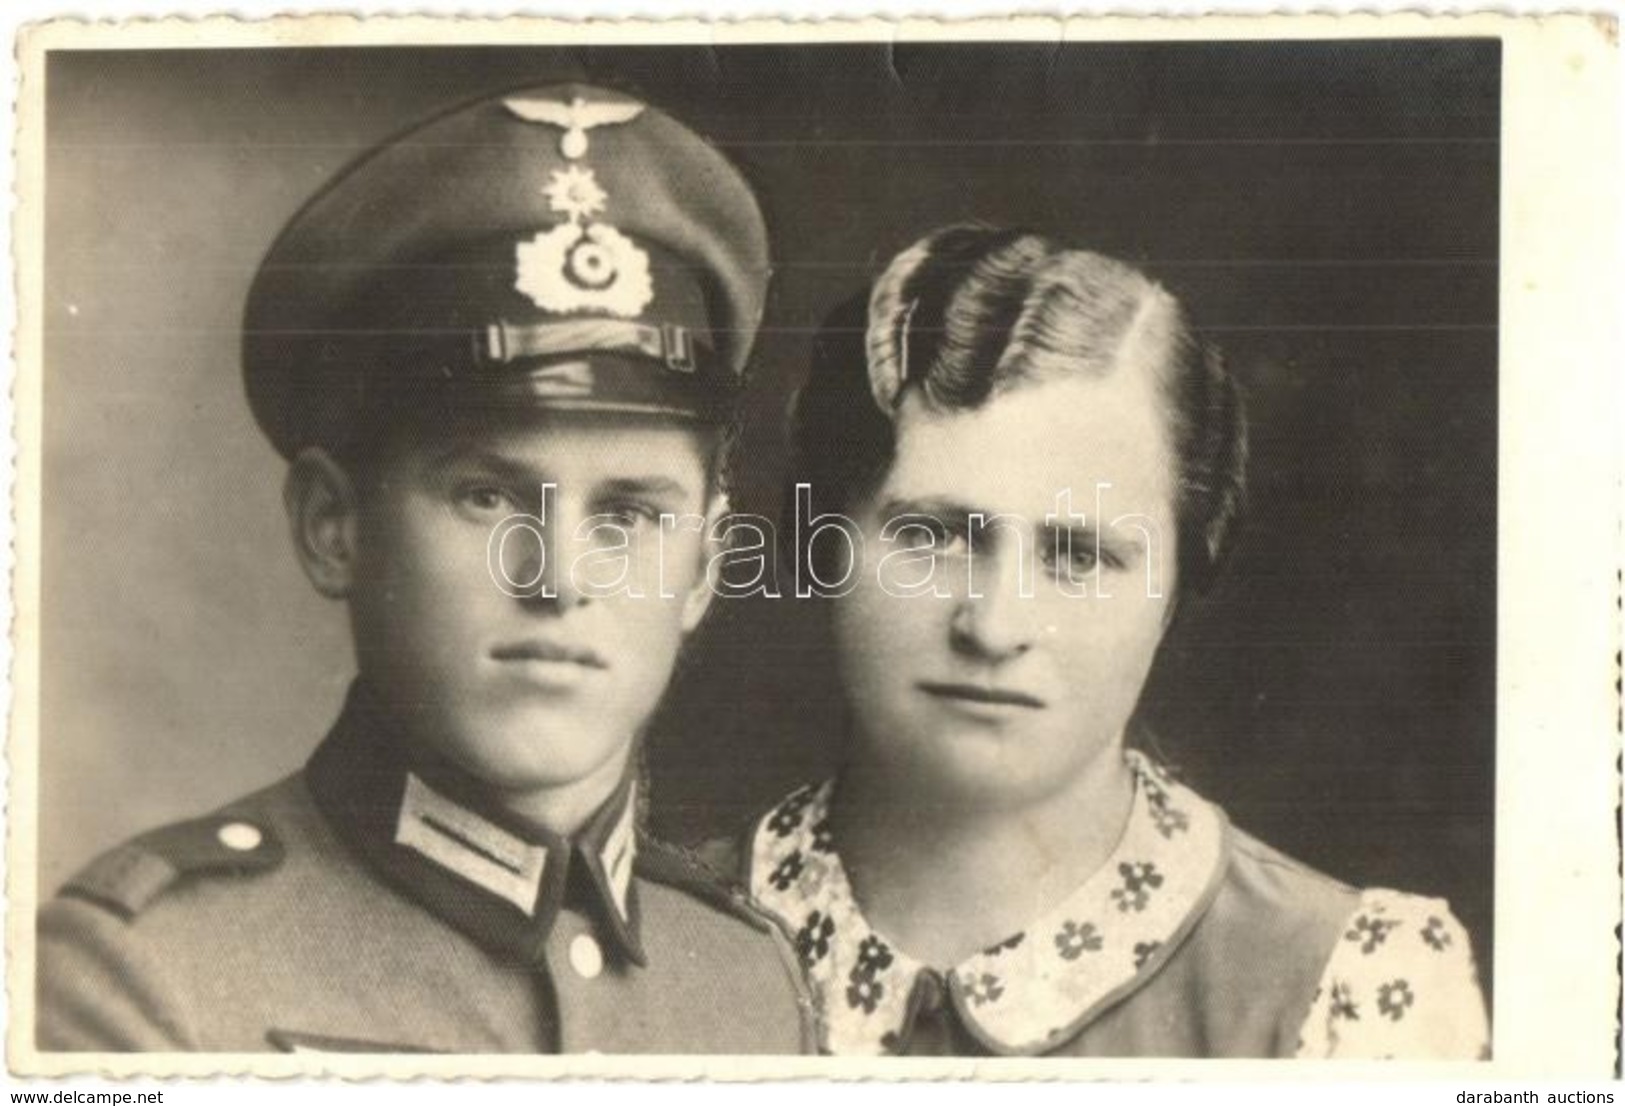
x=564, y=246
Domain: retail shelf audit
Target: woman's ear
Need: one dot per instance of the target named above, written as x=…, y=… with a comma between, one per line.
x=698, y=599
x=322, y=505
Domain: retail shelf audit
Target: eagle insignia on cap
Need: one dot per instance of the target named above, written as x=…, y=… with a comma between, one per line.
x=580, y=265
x=576, y=118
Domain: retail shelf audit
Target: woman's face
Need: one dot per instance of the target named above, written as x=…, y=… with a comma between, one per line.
x=997, y=660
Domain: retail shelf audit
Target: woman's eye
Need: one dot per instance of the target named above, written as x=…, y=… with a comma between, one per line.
x=1076, y=554
x=916, y=537
x=934, y=535
x=953, y=541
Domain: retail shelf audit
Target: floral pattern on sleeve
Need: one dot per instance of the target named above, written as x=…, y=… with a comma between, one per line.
x=1400, y=984
x=1026, y=993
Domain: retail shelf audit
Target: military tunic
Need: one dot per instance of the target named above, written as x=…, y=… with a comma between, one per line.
x=1193, y=939
x=362, y=905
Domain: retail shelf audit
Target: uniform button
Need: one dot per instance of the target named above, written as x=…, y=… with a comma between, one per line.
x=586, y=957
x=240, y=837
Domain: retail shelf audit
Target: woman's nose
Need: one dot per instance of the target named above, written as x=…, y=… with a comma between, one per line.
x=999, y=618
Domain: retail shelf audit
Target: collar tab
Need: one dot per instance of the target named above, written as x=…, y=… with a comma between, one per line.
x=462, y=842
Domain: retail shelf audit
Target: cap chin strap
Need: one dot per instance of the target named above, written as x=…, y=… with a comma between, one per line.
x=674, y=346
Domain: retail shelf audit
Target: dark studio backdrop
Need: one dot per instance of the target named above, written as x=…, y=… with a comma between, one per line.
x=1328, y=211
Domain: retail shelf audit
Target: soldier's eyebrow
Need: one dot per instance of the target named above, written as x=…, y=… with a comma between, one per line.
x=477, y=457
x=654, y=487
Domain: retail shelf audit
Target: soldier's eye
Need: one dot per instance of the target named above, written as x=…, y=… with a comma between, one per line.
x=484, y=497
x=630, y=512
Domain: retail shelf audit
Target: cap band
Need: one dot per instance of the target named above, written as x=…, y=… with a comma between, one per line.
x=672, y=345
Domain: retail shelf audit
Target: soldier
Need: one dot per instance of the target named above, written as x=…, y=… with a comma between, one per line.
x=540, y=306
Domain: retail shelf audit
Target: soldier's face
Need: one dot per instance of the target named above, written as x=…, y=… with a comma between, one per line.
x=1014, y=673
x=529, y=650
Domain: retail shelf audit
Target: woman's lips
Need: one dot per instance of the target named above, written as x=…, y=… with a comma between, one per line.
x=979, y=693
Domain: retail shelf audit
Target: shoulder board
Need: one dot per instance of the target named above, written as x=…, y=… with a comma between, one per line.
x=675, y=866
x=131, y=876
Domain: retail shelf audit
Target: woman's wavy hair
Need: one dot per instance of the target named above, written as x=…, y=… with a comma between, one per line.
x=969, y=312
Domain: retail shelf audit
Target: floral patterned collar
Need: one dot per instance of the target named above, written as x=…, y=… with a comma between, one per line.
x=1032, y=991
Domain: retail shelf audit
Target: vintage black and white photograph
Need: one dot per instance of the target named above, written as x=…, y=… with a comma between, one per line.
x=860, y=549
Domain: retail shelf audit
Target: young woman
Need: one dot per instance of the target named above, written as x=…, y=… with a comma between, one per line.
x=1040, y=464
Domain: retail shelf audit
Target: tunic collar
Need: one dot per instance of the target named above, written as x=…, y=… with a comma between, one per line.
x=495, y=878
x=1026, y=994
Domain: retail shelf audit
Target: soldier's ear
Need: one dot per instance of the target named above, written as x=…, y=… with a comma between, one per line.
x=321, y=501
x=698, y=599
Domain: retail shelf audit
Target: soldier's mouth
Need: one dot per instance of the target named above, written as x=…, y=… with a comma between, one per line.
x=550, y=652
